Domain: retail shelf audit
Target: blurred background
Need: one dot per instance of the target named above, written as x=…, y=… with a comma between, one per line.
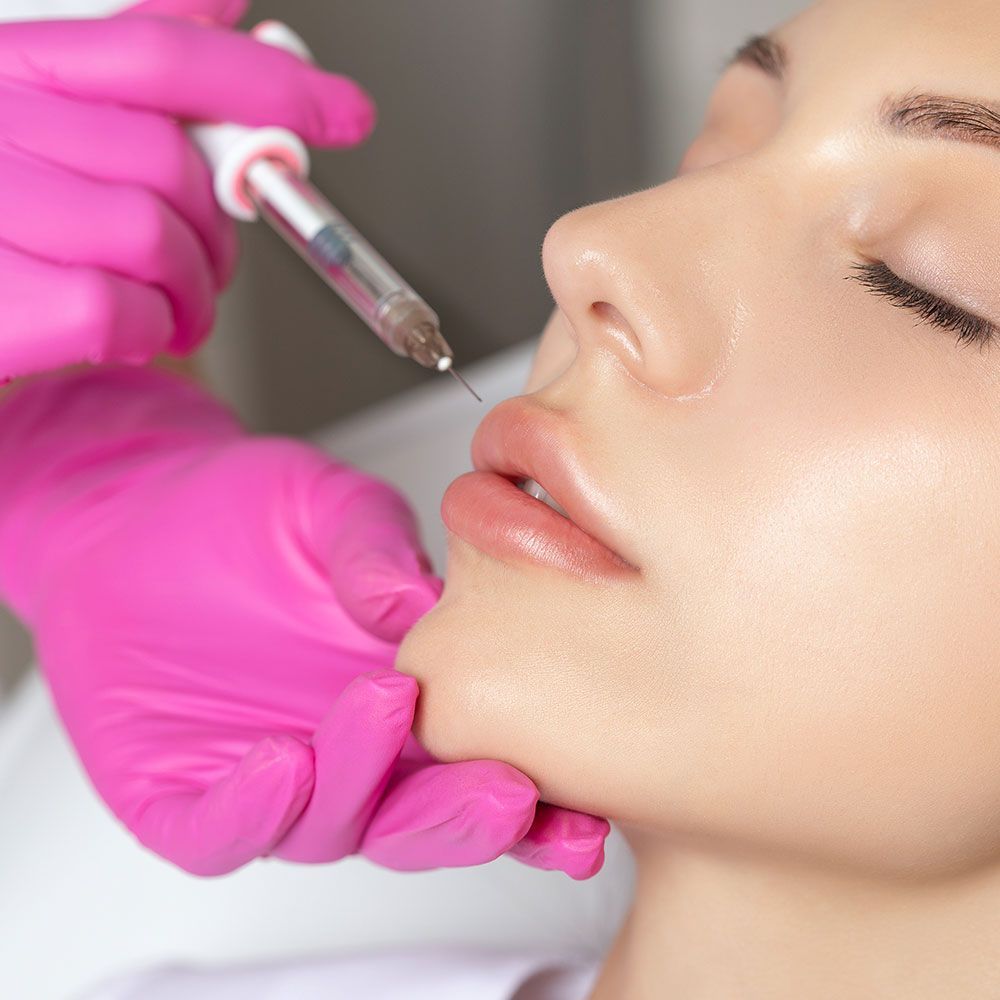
x=495, y=119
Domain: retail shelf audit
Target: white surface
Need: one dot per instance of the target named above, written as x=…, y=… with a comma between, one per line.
x=422, y=975
x=24, y=10
x=80, y=900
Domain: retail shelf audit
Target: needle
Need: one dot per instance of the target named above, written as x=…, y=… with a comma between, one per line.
x=459, y=378
x=444, y=364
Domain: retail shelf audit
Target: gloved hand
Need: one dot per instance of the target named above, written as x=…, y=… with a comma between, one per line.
x=216, y=616
x=112, y=245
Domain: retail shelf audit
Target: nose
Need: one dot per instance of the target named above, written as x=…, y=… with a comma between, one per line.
x=635, y=277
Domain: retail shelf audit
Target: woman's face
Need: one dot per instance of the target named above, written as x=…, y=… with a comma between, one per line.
x=796, y=645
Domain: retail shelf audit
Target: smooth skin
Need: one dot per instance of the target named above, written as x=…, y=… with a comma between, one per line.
x=792, y=708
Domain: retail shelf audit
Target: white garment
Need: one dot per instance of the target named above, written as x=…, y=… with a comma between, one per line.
x=430, y=974
x=27, y=10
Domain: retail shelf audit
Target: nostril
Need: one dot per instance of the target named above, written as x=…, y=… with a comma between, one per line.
x=615, y=324
x=608, y=313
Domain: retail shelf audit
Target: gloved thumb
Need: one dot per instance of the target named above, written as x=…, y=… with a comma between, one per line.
x=225, y=13
x=369, y=540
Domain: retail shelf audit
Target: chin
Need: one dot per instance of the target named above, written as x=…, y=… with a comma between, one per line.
x=503, y=673
x=428, y=654
x=459, y=653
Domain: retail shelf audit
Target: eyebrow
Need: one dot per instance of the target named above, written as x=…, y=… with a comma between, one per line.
x=914, y=113
x=764, y=52
x=943, y=117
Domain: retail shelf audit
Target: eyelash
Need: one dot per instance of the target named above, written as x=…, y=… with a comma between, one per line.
x=881, y=280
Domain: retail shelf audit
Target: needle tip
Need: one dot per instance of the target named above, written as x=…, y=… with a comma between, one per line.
x=458, y=378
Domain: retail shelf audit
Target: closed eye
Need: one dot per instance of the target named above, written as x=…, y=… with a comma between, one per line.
x=881, y=280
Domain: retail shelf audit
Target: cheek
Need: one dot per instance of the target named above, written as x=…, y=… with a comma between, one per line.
x=845, y=674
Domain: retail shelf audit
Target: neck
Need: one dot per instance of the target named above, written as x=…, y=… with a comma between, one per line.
x=706, y=926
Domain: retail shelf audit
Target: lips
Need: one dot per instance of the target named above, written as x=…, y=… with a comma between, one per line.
x=521, y=441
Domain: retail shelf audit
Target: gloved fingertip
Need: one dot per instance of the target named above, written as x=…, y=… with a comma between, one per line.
x=452, y=816
x=221, y=12
x=515, y=796
x=583, y=865
x=233, y=12
x=347, y=111
x=495, y=798
x=188, y=339
x=379, y=705
x=583, y=856
x=141, y=325
x=392, y=682
x=578, y=865
x=389, y=612
x=562, y=840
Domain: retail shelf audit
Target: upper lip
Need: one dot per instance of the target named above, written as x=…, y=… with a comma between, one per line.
x=523, y=439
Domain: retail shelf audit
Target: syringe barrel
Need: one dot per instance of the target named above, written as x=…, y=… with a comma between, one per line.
x=338, y=253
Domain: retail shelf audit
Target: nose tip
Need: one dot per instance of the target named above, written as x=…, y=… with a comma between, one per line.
x=584, y=275
x=624, y=289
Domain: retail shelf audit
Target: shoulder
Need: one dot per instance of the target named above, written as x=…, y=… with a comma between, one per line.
x=389, y=975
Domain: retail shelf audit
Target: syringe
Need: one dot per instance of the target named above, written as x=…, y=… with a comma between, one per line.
x=262, y=173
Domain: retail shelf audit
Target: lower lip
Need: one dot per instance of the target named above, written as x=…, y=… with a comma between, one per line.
x=498, y=518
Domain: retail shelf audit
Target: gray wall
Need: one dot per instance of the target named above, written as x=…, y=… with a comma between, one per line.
x=494, y=119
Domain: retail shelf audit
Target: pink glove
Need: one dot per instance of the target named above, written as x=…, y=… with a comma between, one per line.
x=112, y=246
x=217, y=615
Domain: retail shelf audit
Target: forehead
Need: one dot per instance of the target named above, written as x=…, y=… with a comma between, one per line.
x=896, y=44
